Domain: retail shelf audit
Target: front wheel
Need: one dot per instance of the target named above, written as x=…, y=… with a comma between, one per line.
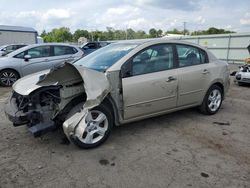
x=99, y=124
x=212, y=100
x=8, y=77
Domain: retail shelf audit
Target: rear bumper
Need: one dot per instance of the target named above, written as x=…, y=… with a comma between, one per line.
x=14, y=115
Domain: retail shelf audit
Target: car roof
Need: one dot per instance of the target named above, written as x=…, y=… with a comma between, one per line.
x=157, y=40
x=144, y=43
x=153, y=41
x=37, y=45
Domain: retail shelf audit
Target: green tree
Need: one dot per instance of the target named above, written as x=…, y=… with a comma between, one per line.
x=152, y=33
x=130, y=34
x=62, y=34
x=141, y=34
x=80, y=33
x=211, y=31
x=159, y=33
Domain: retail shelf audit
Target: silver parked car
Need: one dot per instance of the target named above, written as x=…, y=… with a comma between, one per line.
x=6, y=49
x=34, y=58
x=120, y=83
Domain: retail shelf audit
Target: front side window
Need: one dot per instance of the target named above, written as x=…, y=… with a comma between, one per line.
x=189, y=55
x=153, y=59
x=9, y=48
x=38, y=52
x=20, y=56
x=64, y=50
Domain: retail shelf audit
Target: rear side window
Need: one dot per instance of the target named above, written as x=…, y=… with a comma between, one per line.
x=189, y=55
x=38, y=52
x=64, y=50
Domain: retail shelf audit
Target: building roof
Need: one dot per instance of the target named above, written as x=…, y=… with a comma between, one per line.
x=17, y=28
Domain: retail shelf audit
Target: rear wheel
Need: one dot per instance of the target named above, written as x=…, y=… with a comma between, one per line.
x=212, y=100
x=8, y=77
x=99, y=124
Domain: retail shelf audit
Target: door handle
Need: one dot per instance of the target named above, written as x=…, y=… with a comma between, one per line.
x=171, y=78
x=205, y=71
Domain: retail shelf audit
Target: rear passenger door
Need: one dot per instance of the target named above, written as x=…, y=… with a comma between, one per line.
x=62, y=54
x=194, y=74
x=40, y=59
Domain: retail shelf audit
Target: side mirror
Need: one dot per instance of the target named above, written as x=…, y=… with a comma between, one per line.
x=27, y=57
x=85, y=47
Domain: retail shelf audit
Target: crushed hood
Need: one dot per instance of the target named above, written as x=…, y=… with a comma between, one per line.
x=28, y=84
x=95, y=83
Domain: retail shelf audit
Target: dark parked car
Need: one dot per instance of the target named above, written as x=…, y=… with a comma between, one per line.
x=92, y=46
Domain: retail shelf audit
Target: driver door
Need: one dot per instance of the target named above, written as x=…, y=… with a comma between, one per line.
x=151, y=85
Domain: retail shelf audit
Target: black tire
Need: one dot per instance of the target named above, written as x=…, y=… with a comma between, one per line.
x=240, y=84
x=9, y=74
x=104, y=109
x=204, y=108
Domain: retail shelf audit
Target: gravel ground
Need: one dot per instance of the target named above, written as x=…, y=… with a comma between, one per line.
x=182, y=149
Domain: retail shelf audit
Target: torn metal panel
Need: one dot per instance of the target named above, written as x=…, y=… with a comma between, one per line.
x=95, y=85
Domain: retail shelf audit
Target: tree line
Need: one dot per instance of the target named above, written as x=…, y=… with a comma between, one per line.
x=64, y=34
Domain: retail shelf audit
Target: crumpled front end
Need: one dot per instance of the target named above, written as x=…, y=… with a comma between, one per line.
x=43, y=104
x=11, y=110
x=97, y=88
x=37, y=110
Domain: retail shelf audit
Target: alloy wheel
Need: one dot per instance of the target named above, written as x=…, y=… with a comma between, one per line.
x=97, y=125
x=214, y=100
x=8, y=78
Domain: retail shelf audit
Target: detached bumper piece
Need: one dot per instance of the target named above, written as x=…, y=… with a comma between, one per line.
x=42, y=128
x=33, y=119
x=14, y=115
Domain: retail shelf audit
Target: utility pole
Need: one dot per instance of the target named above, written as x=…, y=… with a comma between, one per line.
x=184, y=28
x=126, y=33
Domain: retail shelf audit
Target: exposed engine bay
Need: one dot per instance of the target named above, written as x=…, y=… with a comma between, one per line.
x=56, y=93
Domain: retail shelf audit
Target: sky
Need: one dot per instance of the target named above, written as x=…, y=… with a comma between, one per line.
x=121, y=14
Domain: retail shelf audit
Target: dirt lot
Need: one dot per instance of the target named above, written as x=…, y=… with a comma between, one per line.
x=182, y=149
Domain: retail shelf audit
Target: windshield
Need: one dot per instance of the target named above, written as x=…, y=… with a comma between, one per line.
x=105, y=57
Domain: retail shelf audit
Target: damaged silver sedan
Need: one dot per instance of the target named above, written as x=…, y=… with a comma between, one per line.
x=121, y=83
